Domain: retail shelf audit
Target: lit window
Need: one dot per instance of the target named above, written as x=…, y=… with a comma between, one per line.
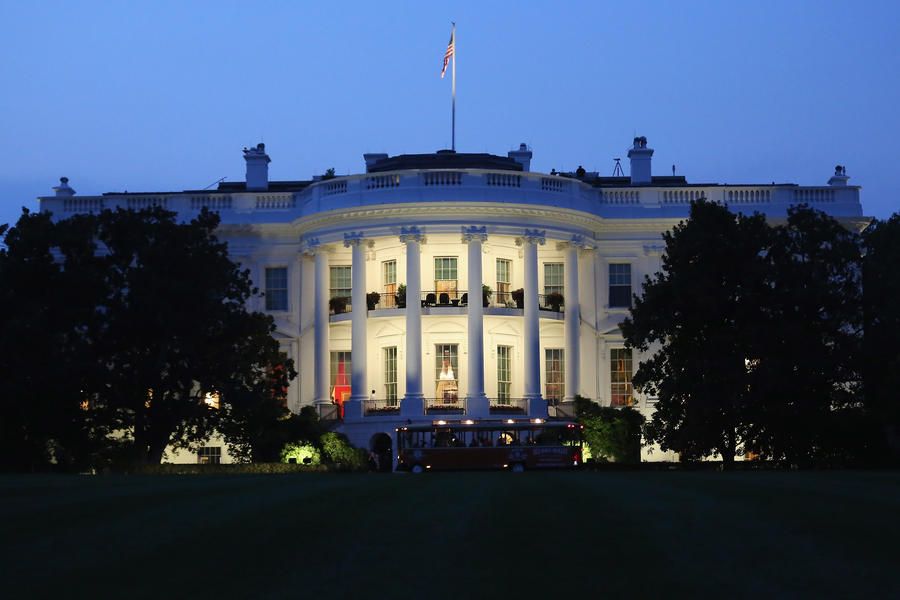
x=209, y=455
x=340, y=376
x=446, y=375
x=389, y=279
x=211, y=399
x=620, y=286
x=504, y=279
x=445, y=277
x=276, y=288
x=555, y=387
x=620, y=393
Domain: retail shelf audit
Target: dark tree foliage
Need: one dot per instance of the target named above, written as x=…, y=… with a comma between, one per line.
x=699, y=317
x=881, y=338
x=612, y=434
x=120, y=325
x=806, y=403
x=45, y=358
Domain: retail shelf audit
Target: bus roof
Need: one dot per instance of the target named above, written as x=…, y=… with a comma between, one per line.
x=504, y=424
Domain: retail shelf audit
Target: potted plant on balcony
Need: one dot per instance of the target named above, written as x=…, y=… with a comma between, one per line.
x=401, y=295
x=518, y=297
x=486, y=292
x=338, y=305
x=555, y=300
x=372, y=300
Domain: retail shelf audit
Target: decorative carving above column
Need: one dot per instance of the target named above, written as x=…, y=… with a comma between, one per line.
x=474, y=234
x=353, y=238
x=311, y=247
x=532, y=236
x=411, y=234
x=577, y=241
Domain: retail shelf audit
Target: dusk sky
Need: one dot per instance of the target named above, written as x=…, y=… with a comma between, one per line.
x=162, y=96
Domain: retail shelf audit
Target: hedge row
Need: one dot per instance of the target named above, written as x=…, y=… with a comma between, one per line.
x=237, y=469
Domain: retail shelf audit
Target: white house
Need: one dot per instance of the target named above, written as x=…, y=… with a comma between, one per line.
x=439, y=227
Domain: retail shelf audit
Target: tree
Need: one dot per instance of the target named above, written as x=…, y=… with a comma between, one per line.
x=881, y=325
x=805, y=379
x=176, y=332
x=48, y=302
x=699, y=318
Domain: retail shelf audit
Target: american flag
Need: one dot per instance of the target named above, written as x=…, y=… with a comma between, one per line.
x=451, y=48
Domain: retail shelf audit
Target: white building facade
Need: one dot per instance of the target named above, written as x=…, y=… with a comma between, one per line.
x=377, y=281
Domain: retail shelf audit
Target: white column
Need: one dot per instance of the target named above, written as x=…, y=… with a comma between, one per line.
x=413, y=404
x=358, y=323
x=476, y=400
x=322, y=378
x=537, y=406
x=572, y=320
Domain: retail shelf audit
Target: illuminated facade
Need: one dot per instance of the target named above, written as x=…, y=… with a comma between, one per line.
x=454, y=285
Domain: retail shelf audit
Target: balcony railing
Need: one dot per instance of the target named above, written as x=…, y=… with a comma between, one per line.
x=509, y=406
x=381, y=406
x=444, y=299
x=445, y=406
x=328, y=412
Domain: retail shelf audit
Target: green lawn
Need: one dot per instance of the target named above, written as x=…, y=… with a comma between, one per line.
x=459, y=535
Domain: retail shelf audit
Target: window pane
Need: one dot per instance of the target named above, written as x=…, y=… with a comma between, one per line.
x=340, y=375
x=553, y=278
x=620, y=368
x=446, y=358
x=276, y=288
x=619, y=285
x=504, y=375
x=340, y=281
x=390, y=375
x=555, y=375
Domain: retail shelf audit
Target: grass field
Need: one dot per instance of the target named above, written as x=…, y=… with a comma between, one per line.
x=459, y=535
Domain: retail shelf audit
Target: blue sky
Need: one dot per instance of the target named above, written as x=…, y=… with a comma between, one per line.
x=160, y=96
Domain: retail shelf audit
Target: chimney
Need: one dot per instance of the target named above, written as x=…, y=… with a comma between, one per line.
x=63, y=188
x=839, y=179
x=521, y=156
x=640, y=156
x=257, y=168
x=373, y=157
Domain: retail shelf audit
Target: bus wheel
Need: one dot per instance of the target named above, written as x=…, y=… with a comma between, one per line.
x=417, y=469
x=517, y=468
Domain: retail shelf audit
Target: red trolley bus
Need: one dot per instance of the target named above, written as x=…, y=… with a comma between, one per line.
x=508, y=444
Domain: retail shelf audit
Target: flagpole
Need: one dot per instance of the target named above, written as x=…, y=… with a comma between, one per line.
x=453, y=109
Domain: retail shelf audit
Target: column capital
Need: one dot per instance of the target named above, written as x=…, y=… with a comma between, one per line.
x=411, y=234
x=577, y=241
x=353, y=238
x=474, y=234
x=311, y=247
x=532, y=236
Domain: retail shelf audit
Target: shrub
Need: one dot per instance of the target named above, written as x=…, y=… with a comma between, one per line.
x=372, y=300
x=613, y=434
x=338, y=450
x=301, y=453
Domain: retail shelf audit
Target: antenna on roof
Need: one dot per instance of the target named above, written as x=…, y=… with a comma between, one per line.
x=215, y=182
x=617, y=172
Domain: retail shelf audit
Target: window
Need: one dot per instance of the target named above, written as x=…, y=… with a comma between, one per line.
x=389, y=283
x=620, y=392
x=340, y=282
x=504, y=376
x=446, y=372
x=390, y=375
x=504, y=279
x=276, y=288
x=555, y=387
x=619, y=286
x=445, y=276
x=553, y=278
x=209, y=455
x=340, y=376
